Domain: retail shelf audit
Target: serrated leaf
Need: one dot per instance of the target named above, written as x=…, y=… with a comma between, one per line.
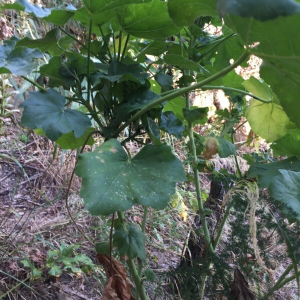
x=185, y=12
x=171, y=124
x=52, y=43
x=46, y=110
x=130, y=242
x=285, y=188
x=55, y=271
x=261, y=10
x=17, y=60
x=288, y=145
x=148, y=20
x=266, y=172
x=197, y=114
x=148, y=178
x=150, y=275
x=268, y=120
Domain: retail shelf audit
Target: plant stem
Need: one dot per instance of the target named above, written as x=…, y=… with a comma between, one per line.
x=88, y=65
x=137, y=280
x=120, y=44
x=140, y=263
x=225, y=88
x=125, y=47
x=181, y=91
x=34, y=83
x=238, y=170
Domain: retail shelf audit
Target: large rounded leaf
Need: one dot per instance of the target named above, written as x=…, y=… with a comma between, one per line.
x=268, y=120
x=47, y=110
x=111, y=181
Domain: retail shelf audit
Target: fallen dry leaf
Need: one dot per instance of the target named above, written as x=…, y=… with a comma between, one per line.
x=118, y=286
x=240, y=287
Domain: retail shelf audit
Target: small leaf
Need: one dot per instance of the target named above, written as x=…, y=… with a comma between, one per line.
x=198, y=115
x=150, y=275
x=175, y=105
x=266, y=172
x=55, y=271
x=154, y=132
x=285, y=188
x=103, y=248
x=165, y=81
x=46, y=110
x=169, y=123
x=225, y=148
x=111, y=181
x=130, y=242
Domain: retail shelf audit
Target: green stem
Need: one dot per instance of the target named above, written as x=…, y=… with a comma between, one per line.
x=137, y=280
x=120, y=44
x=225, y=88
x=238, y=170
x=125, y=47
x=105, y=44
x=140, y=263
x=34, y=83
x=88, y=65
x=181, y=91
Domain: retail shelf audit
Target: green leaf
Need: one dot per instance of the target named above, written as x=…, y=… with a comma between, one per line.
x=225, y=148
x=181, y=62
x=165, y=81
x=285, y=188
x=51, y=43
x=148, y=20
x=175, y=105
x=95, y=6
x=268, y=120
x=288, y=145
x=66, y=72
x=130, y=242
x=119, y=71
x=69, y=141
x=111, y=181
x=185, y=12
x=17, y=60
x=136, y=100
x=153, y=132
x=103, y=248
x=55, y=271
x=197, y=114
x=260, y=89
x=266, y=172
x=46, y=110
x=169, y=123
x=150, y=275
x=261, y=10
x=278, y=46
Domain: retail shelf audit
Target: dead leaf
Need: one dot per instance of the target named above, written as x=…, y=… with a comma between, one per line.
x=118, y=286
x=240, y=287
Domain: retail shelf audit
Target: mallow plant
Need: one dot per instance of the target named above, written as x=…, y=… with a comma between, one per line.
x=118, y=83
